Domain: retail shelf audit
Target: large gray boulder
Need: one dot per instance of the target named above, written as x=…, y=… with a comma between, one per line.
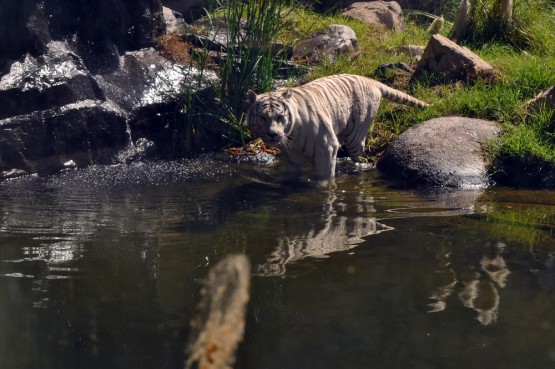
x=386, y=13
x=328, y=44
x=444, y=152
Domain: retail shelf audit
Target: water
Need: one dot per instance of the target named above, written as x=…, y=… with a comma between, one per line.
x=101, y=268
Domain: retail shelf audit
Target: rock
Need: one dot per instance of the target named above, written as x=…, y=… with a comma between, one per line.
x=141, y=149
x=53, y=110
x=98, y=30
x=386, y=13
x=327, y=44
x=544, y=99
x=444, y=152
x=452, y=62
x=388, y=73
x=143, y=78
x=414, y=51
x=191, y=9
x=213, y=34
x=23, y=29
x=146, y=88
x=86, y=132
x=56, y=78
x=175, y=24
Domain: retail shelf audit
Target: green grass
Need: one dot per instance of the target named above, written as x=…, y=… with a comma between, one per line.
x=522, y=225
x=525, y=58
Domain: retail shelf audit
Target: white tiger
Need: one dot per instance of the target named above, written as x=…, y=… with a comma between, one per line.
x=309, y=123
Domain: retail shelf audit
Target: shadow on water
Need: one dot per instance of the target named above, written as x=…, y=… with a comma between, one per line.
x=102, y=268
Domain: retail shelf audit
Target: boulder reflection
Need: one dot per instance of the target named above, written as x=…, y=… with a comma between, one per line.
x=341, y=225
x=480, y=284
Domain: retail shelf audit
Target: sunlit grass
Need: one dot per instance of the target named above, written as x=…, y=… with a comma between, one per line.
x=523, y=74
x=525, y=225
x=526, y=64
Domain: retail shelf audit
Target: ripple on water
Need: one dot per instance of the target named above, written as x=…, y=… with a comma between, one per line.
x=55, y=218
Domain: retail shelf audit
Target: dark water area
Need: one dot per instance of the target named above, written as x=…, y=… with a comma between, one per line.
x=102, y=267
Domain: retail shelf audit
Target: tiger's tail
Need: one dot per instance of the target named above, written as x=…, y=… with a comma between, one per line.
x=400, y=97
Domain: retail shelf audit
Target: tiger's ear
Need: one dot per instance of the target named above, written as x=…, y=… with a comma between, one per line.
x=251, y=96
x=286, y=94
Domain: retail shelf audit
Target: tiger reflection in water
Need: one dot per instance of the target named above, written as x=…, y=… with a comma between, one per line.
x=343, y=225
x=480, y=286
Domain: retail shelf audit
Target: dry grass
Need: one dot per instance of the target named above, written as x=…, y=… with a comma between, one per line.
x=173, y=47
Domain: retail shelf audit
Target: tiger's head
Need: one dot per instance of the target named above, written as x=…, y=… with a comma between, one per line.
x=269, y=116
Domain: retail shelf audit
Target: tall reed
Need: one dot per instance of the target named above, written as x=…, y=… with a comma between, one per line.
x=253, y=27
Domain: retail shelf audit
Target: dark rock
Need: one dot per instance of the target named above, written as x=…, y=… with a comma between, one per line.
x=386, y=72
x=191, y=9
x=53, y=79
x=53, y=110
x=142, y=149
x=98, y=30
x=211, y=36
x=414, y=51
x=327, y=44
x=545, y=99
x=444, y=152
x=147, y=87
x=214, y=34
x=86, y=132
x=23, y=29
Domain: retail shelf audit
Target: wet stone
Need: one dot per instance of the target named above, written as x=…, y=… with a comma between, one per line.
x=54, y=79
x=44, y=141
x=441, y=152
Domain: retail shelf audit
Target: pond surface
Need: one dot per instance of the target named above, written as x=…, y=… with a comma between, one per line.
x=101, y=268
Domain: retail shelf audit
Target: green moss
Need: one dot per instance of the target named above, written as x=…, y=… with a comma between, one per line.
x=524, y=56
x=527, y=143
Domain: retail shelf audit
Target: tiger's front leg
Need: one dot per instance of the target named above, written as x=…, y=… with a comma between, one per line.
x=292, y=170
x=325, y=158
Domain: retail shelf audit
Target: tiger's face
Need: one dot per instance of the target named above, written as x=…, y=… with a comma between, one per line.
x=269, y=118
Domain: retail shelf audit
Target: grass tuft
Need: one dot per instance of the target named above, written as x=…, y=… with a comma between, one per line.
x=524, y=54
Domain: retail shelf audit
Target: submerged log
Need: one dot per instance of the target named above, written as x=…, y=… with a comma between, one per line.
x=220, y=323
